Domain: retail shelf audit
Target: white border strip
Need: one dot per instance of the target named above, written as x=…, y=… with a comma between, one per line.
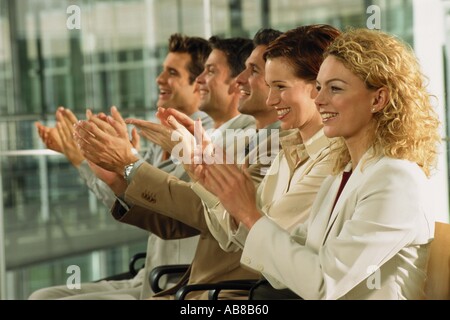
x=31, y=152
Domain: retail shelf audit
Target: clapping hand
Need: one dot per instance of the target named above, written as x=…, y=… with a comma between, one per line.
x=106, y=143
x=234, y=188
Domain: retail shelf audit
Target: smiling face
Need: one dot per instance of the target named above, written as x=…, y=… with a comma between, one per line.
x=290, y=96
x=344, y=102
x=217, y=88
x=175, y=91
x=252, y=85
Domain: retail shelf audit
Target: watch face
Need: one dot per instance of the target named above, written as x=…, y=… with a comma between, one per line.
x=127, y=170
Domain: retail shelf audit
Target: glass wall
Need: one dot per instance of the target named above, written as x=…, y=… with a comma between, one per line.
x=95, y=54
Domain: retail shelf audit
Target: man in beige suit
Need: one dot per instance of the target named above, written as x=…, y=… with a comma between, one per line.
x=168, y=207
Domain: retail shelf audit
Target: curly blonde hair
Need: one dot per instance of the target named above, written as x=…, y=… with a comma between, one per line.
x=408, y=126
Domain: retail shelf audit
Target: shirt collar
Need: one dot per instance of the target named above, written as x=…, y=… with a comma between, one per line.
x=220, y=131
x=198, y=115
x=227, y=124
x=297, y=151
x=317, y=143
x=273, y=125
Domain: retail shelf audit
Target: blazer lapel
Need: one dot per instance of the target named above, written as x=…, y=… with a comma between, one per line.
x=318, y=224
x=242, y=122
x=352, y=183
x=273, y=169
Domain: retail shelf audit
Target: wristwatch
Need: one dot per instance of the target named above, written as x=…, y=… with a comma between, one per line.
x=127, y=170
x=129, y=167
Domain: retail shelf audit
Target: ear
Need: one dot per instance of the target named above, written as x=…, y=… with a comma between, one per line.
x=380, y=99
x=312, y=89
x=233, y=87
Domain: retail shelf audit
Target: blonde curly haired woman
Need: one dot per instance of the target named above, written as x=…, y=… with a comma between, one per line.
x=369, y=232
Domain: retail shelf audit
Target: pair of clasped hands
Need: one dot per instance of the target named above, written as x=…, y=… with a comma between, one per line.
x=178, y=135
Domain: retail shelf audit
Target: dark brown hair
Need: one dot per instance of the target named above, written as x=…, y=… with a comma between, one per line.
x=198, y=48
x=303, y=47
x=237, y=51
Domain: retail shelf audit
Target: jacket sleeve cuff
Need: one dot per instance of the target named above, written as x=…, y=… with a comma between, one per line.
x=209, y=199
